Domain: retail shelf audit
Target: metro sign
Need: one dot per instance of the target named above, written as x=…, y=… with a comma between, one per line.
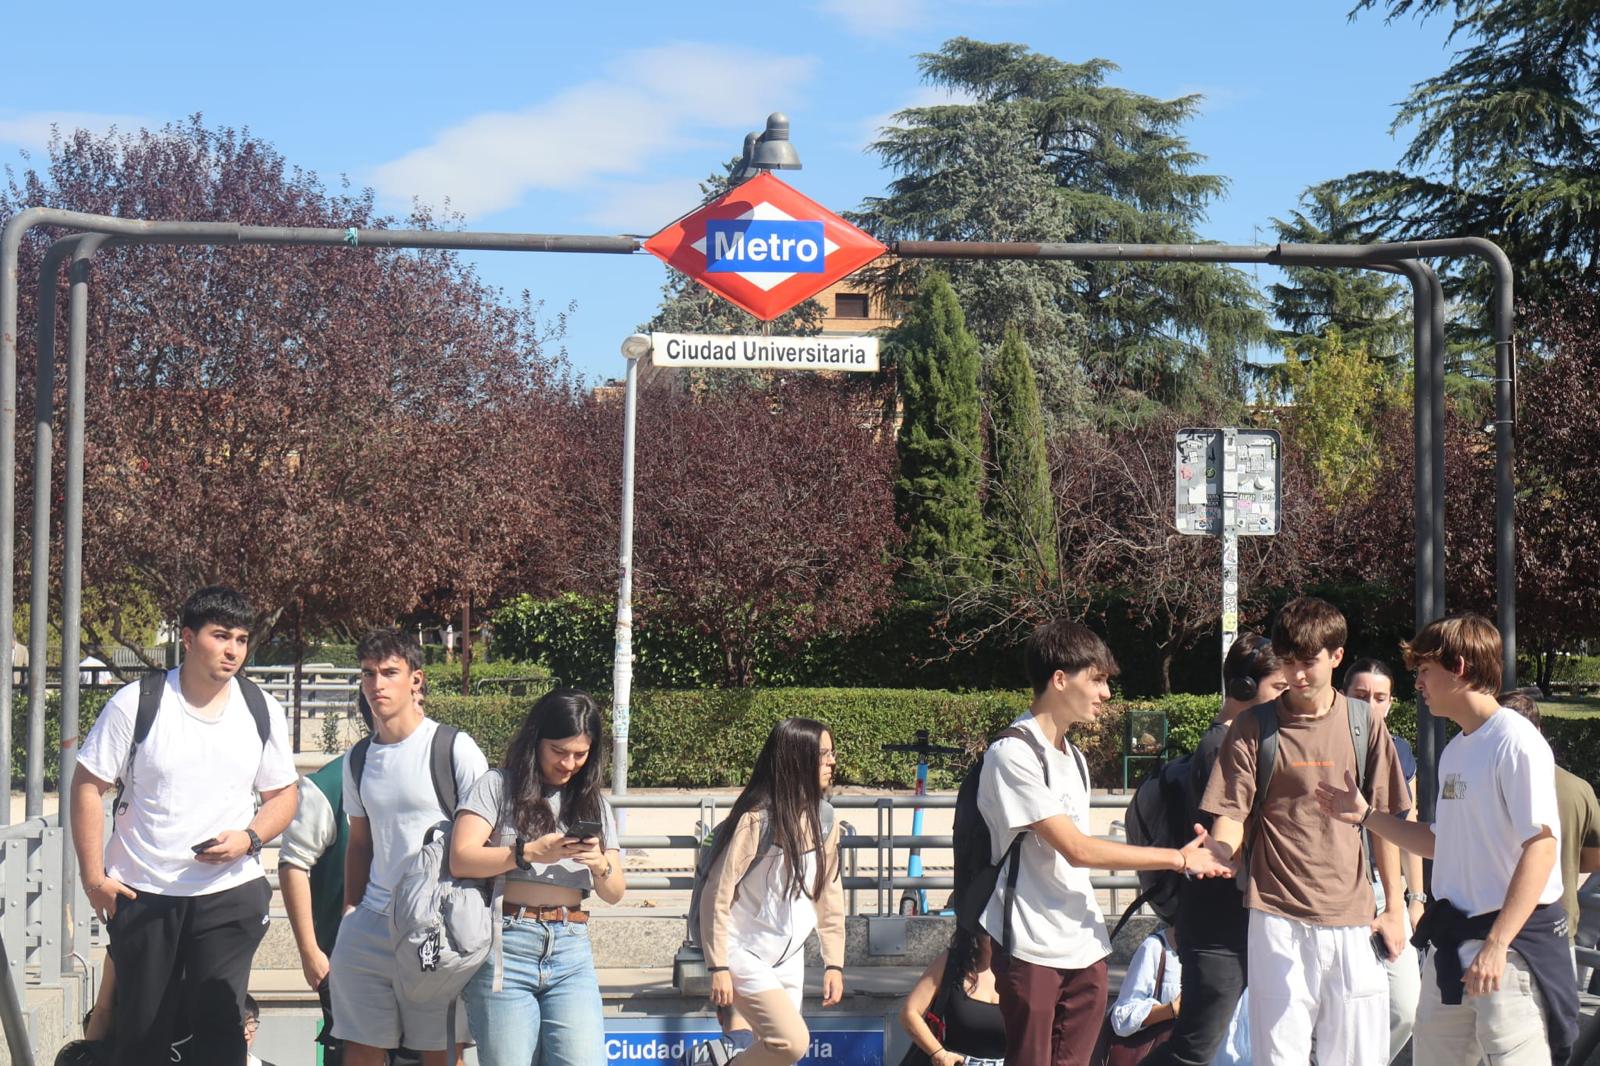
x=764, y=247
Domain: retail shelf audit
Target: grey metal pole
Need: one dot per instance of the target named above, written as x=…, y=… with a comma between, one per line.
x=1505, y=455
x=72, y=547
x=16, y=1022
x=622, y=660
x=43, y=452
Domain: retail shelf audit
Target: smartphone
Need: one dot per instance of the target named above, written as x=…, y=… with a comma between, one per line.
x=203, y=845
x=1379, y=949
x=586, y=830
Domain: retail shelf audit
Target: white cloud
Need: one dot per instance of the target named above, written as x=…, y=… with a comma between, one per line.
x=652, y=101
x=642, y=207
x=32, y=130
x=876, y=18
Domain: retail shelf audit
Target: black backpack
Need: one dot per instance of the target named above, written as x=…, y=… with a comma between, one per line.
x=1159, y=816
x=975, y=875
x=151, y=688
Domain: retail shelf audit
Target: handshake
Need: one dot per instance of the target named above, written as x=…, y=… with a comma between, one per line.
x=1205, y=856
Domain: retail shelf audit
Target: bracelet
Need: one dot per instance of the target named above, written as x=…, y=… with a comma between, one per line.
x=517, y=855
x=1183, y=859
x=832, y=967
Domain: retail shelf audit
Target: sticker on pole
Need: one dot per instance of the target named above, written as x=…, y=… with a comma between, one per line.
x=764, y=247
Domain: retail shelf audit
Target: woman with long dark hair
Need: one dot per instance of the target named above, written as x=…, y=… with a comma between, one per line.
x=772, y=878
x=952, y=1013
x=541, y=822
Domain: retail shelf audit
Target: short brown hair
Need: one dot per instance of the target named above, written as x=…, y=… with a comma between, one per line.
x=1523, y=703
x=1306, y=626
x=1066, y=646
x=1468, y=643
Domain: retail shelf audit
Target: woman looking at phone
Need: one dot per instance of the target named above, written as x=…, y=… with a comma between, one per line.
x=541, y=821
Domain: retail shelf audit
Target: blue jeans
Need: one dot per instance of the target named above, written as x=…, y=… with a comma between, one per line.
x=548, y=1011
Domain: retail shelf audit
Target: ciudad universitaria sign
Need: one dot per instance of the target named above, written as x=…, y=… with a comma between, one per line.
x=764, y=247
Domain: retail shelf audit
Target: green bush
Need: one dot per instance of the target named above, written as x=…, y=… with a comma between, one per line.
x=89, y=704
x=701, y=738
x=444, y=679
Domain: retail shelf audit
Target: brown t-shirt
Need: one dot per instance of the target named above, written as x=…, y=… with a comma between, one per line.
x=1303, y=864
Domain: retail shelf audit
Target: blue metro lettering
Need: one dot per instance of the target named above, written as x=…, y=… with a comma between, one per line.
x=775, y=246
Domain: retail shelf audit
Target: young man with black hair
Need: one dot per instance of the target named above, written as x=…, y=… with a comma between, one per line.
x=180, y=887
x=1052, y=975
x=1213, y=925
x=1498, y=984
x=391, y=805
x=1313, y=955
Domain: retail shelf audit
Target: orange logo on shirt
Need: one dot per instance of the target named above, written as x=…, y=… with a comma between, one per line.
x=1319, y=762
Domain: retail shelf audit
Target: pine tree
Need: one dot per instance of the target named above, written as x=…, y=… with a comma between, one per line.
x=1504, y=145
x=1047, y=151
x=1019, y=506
x=940, y=442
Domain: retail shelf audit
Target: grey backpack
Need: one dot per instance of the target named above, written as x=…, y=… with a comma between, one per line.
x=442, y=927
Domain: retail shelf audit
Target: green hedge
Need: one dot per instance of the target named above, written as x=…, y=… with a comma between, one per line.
x=710, y=737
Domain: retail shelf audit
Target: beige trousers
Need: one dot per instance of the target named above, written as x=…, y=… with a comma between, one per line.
x=1504, y=1028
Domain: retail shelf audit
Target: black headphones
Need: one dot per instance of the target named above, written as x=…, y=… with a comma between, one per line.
x=1243, y=689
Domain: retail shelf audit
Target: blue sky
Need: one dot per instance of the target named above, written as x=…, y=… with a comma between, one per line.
x=602, y=117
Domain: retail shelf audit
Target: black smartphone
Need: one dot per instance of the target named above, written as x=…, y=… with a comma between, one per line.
x=586, y=830
x=1379, y=948
x=203, y=845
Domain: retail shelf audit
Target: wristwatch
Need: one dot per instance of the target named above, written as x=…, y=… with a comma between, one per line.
x=1416, y=897
x=255, y=842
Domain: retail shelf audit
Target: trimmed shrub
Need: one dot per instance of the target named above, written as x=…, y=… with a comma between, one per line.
x=90, y=703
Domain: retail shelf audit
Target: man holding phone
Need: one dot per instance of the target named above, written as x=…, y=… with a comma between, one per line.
x=180, y=887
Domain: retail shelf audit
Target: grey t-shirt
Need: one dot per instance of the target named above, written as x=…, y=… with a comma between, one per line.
x=488, y=801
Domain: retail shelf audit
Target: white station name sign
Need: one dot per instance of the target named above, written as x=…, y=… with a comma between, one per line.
x=764, y=353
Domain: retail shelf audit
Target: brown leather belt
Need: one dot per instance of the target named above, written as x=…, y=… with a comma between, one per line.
x=544, y=914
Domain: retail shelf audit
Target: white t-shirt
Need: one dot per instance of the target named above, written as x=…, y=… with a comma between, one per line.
x=1497, y=788
x=397, y=799
x=192, y=779
x=1055, y=920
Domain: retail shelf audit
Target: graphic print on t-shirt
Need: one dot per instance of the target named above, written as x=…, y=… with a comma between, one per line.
x=1454, y=788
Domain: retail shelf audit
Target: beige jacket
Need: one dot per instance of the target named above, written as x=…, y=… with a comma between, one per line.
x=748, y=903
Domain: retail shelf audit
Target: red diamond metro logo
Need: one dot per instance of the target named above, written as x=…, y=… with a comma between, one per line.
x=764, y=247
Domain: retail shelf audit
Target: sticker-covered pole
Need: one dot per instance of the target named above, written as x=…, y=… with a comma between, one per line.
x=1229, y=499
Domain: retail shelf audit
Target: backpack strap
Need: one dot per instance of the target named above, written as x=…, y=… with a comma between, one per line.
x=442, y=764
x=1360, y=729
x=151, y=688
x=1266, y=750
x=256, y=700
x=358, y=760
x=1014, y=852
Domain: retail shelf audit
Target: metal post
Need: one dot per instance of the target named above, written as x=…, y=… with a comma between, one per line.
x=1228, y=444
x=622, y=661
x=43, y=453
x=72, y=547
x=16, y=1022
x=1505, y=455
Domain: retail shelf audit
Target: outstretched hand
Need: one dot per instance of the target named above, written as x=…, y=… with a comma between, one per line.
x=1346, y=804
x=1202, y=856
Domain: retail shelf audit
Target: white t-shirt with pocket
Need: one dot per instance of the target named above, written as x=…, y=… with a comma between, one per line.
x=1055, y=920
x=1497, y=789
x=193, y=778
x=397, y=799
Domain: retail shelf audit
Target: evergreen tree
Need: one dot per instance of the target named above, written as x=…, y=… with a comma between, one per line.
x=1367, y=310
x=1505, y=144
x=1047, y=151
x=939, y=441
x=1020, y=507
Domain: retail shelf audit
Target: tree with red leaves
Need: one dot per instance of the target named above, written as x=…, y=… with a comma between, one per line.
x=334, y=430
x=763, y=517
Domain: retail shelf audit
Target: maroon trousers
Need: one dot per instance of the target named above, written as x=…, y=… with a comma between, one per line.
x=1052, y=1016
